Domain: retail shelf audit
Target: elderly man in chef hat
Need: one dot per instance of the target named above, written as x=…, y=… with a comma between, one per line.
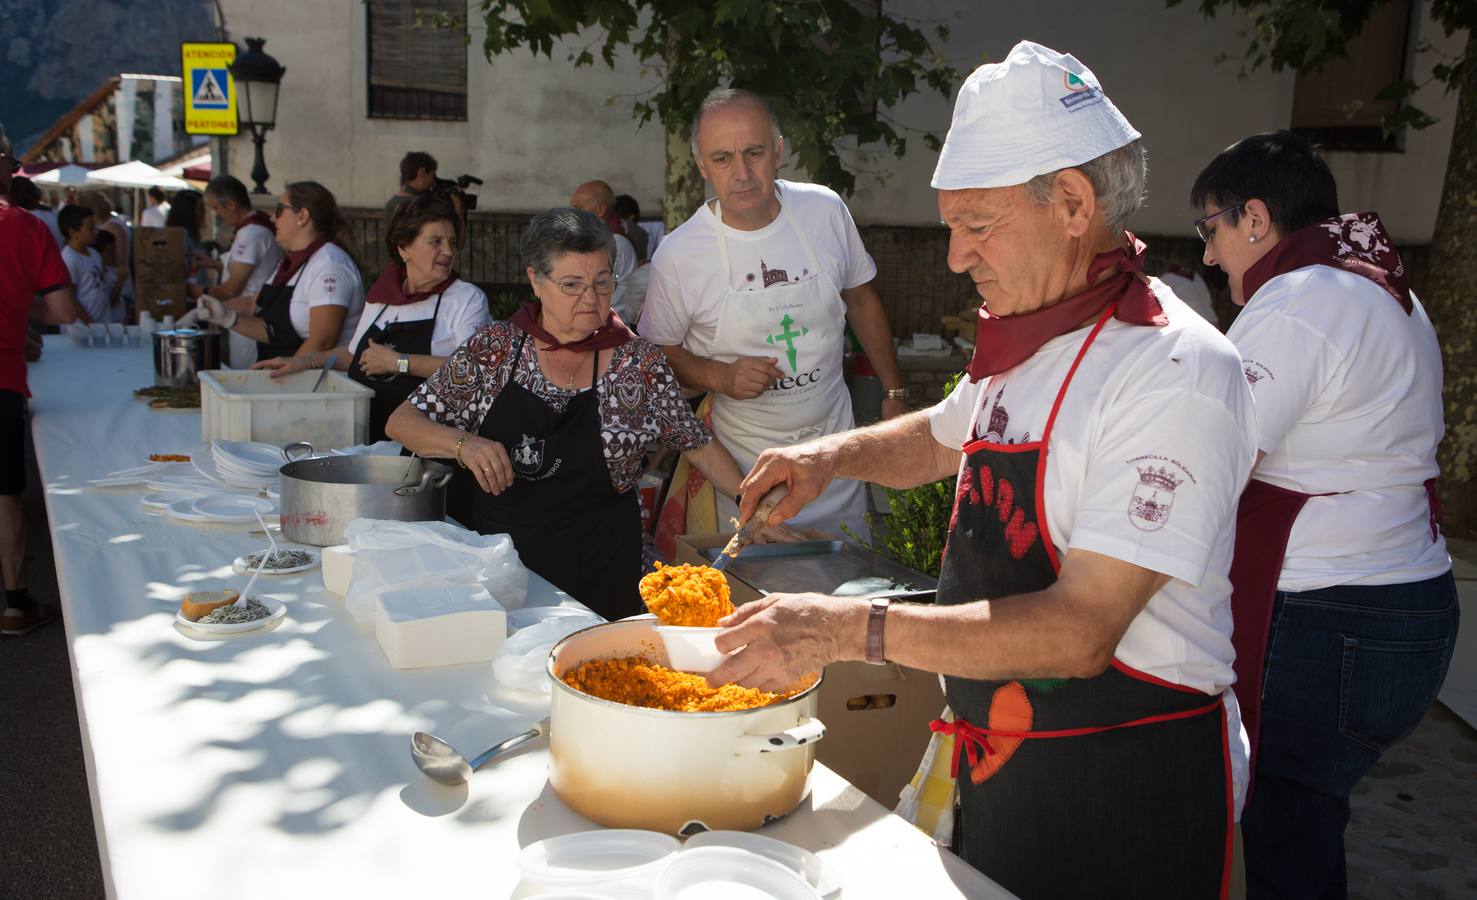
x=1083, y=619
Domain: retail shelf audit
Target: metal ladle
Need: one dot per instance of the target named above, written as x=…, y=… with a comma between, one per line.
x=441, y=763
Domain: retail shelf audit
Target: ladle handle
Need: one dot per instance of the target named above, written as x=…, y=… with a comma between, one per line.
x=516, y=740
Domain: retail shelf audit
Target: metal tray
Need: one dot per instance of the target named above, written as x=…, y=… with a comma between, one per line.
x=825, y=567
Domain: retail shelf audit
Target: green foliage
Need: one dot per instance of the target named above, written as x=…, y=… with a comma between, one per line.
x=503, y=305
x=827, y=66
x=917, y=525
x=1304, y=35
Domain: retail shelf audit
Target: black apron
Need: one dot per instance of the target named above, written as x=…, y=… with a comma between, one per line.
x=1112, y=786
x=567, y=521
x=408, y=338
x=274, y=308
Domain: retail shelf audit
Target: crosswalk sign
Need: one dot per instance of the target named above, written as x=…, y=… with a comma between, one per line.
x=209, y=91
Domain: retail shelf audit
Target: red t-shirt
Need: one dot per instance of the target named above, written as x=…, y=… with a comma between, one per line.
x=29, y=265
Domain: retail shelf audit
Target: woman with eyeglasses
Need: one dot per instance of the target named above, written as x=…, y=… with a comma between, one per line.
x=550, y=415
x=415, y=315
x=315, y=299
x=1344, y=605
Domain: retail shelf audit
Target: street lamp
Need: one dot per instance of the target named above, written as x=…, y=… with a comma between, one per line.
x=257, y=77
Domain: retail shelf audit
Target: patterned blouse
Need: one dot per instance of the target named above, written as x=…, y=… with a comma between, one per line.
x=640, y=400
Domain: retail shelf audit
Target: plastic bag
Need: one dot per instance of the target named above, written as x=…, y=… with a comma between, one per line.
x=520, y=662
x=391, y=554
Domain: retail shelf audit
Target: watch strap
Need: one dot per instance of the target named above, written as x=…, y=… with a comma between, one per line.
x=876, y=620
x=895, y=394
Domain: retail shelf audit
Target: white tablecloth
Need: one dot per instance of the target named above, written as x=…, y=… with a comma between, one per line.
x=277, y=764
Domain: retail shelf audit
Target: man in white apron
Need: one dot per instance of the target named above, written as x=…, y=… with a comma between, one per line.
x=750, y=299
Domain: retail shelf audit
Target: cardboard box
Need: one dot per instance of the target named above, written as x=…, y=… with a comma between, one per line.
x=876, y=716
x=159, y=271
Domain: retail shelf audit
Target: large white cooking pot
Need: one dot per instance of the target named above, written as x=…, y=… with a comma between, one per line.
x=676, y=772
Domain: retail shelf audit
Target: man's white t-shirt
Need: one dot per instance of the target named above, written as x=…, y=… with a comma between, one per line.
x=1146, y=463
x=625, y=264
x=685, y=296
x=154, y=216
x=255, y=245
x=1348, y=402
x=1195, y=292
x=463, y=311
x=328, y=278
x=86, y=269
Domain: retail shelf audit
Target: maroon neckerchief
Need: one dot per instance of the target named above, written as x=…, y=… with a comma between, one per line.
x=293, y=261
x=1004, y=342
x=389, y=288
x=614, y=222
x=258, y=217
x=1356, y=242
x=612, y=334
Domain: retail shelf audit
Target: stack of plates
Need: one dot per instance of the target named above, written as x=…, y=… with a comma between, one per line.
x=243, y=465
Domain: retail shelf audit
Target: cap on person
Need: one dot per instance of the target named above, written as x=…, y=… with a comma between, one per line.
x=1038, y=111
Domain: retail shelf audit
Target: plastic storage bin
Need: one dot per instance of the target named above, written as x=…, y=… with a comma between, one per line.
x=248, y=405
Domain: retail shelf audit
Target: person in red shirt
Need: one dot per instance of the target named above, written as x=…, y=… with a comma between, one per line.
x=33, y=279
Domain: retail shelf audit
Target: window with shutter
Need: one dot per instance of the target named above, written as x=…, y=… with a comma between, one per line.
x=417, y=64
x=1336, y=106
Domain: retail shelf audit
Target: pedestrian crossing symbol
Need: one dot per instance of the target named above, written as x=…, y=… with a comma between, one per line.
x=209, y=89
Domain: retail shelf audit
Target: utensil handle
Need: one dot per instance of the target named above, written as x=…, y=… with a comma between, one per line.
x=745, y=535
x=304, y=446
x=516, y=740
x=804, y=734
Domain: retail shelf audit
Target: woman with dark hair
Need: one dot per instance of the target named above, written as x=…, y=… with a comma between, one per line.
x=314, y=301
x=187, y=210
x=415, y=315
x=551, y=412
x=1344, y=603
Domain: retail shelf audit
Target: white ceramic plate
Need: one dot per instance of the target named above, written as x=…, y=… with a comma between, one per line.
x=278, y=608
x=825, y=880
x=588, y=859
x=184, y=510
x=730, y=872
x=239, y=566
x=233, y=507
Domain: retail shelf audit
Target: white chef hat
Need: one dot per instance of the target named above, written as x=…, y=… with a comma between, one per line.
x=1036, y=112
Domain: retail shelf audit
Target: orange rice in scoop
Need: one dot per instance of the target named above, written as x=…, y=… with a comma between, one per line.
x=692, y=596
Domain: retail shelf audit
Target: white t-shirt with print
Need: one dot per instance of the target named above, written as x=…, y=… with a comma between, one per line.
x=91, y=282
x=684, y=298
x=463, y=311
x=1348, y=399
x=1146, y=463
x=255, y=245
x=328, y=278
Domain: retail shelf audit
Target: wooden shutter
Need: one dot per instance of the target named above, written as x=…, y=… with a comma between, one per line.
x=416, y=69
x=1336, y=106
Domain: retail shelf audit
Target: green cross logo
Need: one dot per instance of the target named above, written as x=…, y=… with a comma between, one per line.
x=788, y=337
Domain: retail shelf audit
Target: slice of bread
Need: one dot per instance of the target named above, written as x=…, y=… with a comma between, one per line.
x=200, y=603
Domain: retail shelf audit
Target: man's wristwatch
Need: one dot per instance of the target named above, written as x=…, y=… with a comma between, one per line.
x=895, y=394
x=876, y=619
x=403, y=365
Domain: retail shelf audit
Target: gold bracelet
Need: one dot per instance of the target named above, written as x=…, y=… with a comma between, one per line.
x=458, y=452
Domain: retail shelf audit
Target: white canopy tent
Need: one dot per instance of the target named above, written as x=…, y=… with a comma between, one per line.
x=69, y=175
x=137, y=175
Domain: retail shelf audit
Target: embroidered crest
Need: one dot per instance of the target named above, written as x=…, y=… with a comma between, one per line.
x=528, y=456
x=1153, y=497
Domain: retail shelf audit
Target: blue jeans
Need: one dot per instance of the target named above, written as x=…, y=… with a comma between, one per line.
x=1350, y=672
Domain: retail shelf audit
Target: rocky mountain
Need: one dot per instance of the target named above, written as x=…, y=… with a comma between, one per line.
x=53, y=53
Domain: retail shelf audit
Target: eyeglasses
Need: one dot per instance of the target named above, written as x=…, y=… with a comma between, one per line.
x=15, y=164
x=1207, y=233
x=281, y=206
x=576, y=288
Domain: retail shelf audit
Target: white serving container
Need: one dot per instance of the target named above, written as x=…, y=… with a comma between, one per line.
x=439, y=626
x=250, y=405
x=338, y=568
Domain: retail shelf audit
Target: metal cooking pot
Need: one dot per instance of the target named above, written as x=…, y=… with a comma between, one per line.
x=321, y=495
x=632, y=767
x=181, y=354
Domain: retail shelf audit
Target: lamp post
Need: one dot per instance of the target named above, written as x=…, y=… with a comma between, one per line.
x=257, y=78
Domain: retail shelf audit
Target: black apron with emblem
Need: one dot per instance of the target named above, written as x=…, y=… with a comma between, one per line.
x=1116, y=785
x=407, y=338
x=274, y=308
x=567, y=521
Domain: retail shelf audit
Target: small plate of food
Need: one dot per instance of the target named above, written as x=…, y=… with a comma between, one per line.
x=216, y=612
x=285, y=561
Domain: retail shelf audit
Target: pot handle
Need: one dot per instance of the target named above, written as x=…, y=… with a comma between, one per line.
x=304, y=446
x=445, y=479
x=804, y=734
